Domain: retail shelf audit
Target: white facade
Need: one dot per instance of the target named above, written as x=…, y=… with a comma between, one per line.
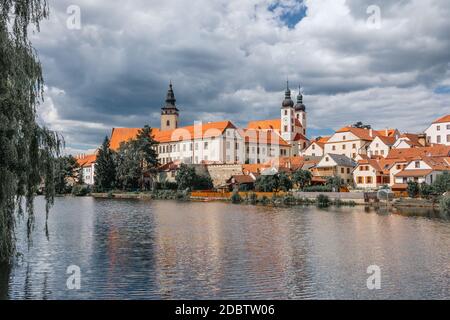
x=378, y=148
x=88, y=172
x=439, y=133
x=314, y=150
x=346, y=143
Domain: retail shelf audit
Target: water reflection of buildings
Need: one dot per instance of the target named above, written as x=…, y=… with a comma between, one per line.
x=217, y=251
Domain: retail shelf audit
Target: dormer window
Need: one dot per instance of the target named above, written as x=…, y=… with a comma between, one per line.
x=417, y=164
x=168, y=123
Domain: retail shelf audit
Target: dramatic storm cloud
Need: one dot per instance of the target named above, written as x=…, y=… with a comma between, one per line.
x=230, y=59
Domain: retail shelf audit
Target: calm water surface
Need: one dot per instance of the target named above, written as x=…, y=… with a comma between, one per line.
x=171, y=250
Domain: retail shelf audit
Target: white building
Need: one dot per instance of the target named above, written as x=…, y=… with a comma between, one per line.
x=87, y=165
x=439, y=131
x=222, y=142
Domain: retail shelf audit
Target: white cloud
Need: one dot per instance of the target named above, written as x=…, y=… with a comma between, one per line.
x=230, y=58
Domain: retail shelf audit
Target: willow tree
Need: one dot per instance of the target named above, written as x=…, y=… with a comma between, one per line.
x=27, y=151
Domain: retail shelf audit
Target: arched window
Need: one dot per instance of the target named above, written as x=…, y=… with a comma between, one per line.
x=168, y=123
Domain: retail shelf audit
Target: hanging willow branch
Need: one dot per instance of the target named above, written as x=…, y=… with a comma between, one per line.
x=27, y=151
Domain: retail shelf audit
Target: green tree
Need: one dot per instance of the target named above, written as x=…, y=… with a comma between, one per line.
x=412, y=189
x=105, y=168
x=129, y=171
x=335, y=183
x=425, y=190
x=361, y=125
x=27, y=151
x=145, y=147
x=267, y=183
x=442, y=183
x=66, y=168
x=284, y=182
x=187, y=178
x=302, y=178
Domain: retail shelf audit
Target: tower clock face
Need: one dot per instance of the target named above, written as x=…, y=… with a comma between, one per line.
x=286, y=121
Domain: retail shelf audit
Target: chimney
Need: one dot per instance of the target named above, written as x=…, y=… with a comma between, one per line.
x=422, y=139
x=371, y=133
x=387, y=132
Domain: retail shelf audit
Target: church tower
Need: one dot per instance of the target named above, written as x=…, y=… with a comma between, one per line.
x=169, y=113
x=300, y=110
x=288, y=117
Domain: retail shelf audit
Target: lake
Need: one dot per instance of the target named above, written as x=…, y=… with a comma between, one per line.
x=131, y=249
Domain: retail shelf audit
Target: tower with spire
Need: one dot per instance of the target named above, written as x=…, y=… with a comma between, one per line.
x=169, y=113
x=300, y=110
x=287, y=116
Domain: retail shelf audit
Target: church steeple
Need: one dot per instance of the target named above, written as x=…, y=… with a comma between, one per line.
x=287, y=103
x=170, y=112
x=170, y=98
x=300, y=106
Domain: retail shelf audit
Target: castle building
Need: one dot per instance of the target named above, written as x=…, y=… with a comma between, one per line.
x=223, y=142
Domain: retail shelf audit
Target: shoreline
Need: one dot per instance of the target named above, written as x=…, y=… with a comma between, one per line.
x=396, y=203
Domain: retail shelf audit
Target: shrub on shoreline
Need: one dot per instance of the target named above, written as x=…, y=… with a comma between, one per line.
x=444, y=204
x=323, y=201
x=236, y=198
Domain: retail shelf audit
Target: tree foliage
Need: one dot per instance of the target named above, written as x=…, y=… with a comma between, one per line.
x=135, y=159
x=284, y=182
x=442, y=183
x=187, y=178
x=412, y=189
x=66, y=169
x=105, y=168
x=27, y=151
x=361, y=125
x=302, y=178
x=267, y=183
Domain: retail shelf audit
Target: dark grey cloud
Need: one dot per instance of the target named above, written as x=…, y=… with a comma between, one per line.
x=229, y=59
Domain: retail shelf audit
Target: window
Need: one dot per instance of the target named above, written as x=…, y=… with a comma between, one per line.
x=285, y=112
x=342, y=170
x=343, y=138
x=314, y=147
x=438, y=128
x=334, y=148
x=448, y=127
x=228, y=145
x=354, y=146
x=448, y=138
x=369, y=180
x=348, y=170
x=382, y=152
x=360, y=180
x=438, y=139
x=285, y=128
x=417, y=164
x=354, y=155
x=327, y=159
x=196, y=146
x=398, y=167
x=377, y=145
x=206, y=146
x=184, y=147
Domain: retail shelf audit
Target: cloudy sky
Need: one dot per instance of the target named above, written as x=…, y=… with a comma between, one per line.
x=229, y=59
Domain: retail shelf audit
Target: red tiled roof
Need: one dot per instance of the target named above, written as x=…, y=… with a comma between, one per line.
x=205, y=130
x=443, y=119
x=414, y=173
x=274, y=124
x=263, y=137
x=408, y=153
x=364, y=134
x=86, y=160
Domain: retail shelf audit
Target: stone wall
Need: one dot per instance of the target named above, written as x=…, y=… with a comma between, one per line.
x=220, y=173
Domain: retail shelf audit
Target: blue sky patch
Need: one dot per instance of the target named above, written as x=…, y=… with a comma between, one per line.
x=442, y=90
x=289, y=14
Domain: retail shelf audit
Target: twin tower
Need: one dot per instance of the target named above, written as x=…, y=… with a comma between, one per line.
x=293, y=117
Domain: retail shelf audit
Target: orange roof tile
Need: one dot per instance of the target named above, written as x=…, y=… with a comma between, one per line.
x=443, y=119
x=274, y=124
x=364, y=134
x=409, y=153
x=386, y=132
x=254, y=168
x=86, y=160
x=206, y=130
x=414, y=173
